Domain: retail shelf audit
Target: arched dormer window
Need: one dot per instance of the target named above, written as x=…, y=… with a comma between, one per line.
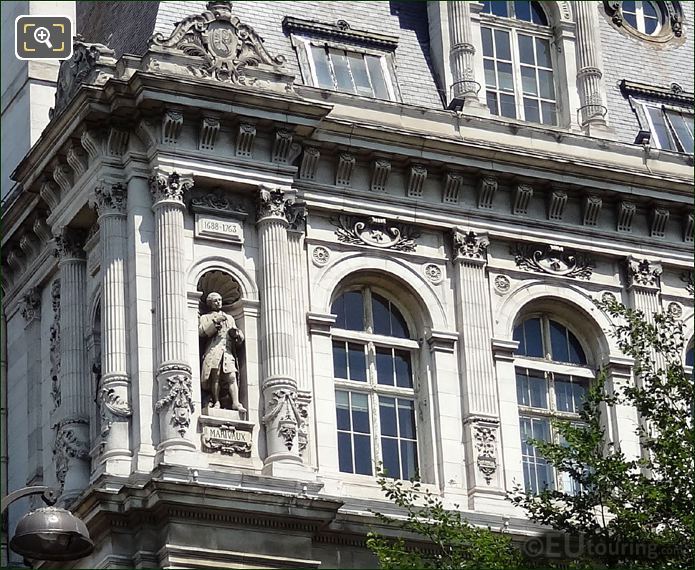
x=518, y=61
x=552, y=376
x=373, y=369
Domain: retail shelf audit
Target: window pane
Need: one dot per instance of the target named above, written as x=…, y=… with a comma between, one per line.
x=579, y=395
x=531, y=111
x=549, y=113
x=349, y=310
x=404, y=374
x=384, y=366
x=499, y=8
x=526, y=49
x=389, y=451
x=491, y=99
x=538, y=389
x=629, y=6
x=359, y=74
x=342, y=74
x=409, y=456
x=683, y=132
x=399, y=328
x=543, y=53
x=532, y=334
x=630, y=18
x=528, y=82
x=376, y=74
x=660, y=130
x=358, y=362
x=342, y=405
x=406, y=418
x=650, y=25
x=504, y=74
x=538, y=15
x=558, y=342
x=502, y=45
x=382, y=317
x=522, y=394
x=508, y=106
x=363, y=455
x=563, y=394
x=649, y=10
x=323, y=72
x=339, y=360
x=490, y=80
x=345, y=452
x=487, y=42
x=545, y=79
x=360, y=412
x=690, y=357
x=522, y=11
x=387, y=416
x=577, y=355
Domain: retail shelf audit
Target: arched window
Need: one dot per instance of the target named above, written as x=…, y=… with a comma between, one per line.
x=373, y=368
x=518, y=62
x=644, y=17
x=552, y=376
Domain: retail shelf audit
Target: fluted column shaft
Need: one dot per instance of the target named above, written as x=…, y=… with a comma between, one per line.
x=282, y=415
x=71, y=449
x=114, y=391
x=175, y=403
x=462, y=50
x=480, y=399
x=589, y=64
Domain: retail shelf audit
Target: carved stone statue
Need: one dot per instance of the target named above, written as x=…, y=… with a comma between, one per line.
x=220, y=363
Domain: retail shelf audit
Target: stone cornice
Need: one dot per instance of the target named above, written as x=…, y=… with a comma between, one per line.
x=339, y=31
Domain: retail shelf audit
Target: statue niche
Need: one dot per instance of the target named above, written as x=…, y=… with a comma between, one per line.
x=221, y=342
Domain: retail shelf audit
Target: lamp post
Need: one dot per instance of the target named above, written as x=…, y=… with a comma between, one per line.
x=48, y=533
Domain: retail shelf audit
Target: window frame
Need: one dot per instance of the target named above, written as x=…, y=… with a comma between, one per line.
x=308, y=65
x=550, y=369
x=646, y=121
x=371, y=386
x=640, y=20
x=515, y=27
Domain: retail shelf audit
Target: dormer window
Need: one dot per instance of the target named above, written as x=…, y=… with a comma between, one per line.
x=518, y=62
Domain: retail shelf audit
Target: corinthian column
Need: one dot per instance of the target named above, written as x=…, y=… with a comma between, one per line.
x=71, y=448
x=461, y=56
x=480, y=400
x=175, y=401
x=589, y=74
x=113, y=395
x=282, y=416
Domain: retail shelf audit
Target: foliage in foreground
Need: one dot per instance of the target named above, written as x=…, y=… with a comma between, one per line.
x=629, y=512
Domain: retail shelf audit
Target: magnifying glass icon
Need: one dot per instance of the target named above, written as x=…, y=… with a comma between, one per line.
x=43, y=36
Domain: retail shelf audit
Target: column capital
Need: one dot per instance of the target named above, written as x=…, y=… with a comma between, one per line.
x=469, y=247
x=31, y=305
x=171, y=187
x=275, y=202
x=70, y=243
x=110, y=198
x=644, y=274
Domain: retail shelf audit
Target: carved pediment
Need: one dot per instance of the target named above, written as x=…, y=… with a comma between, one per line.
x=226, y=47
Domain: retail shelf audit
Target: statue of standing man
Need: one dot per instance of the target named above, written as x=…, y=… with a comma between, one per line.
x=220, y=363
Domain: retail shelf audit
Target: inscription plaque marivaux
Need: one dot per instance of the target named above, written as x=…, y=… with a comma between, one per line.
x=214, y=227
x=227, y=438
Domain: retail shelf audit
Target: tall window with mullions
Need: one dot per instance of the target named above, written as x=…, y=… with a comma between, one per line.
x=373, y=371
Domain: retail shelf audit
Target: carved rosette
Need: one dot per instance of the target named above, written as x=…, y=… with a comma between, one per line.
x=177, y=399
x=225, y=46
x=485, y=439
x=553, y=260
x=70, y=444
x=31, y=305
x=110, y=199
x=169, y=187
x=643, y=273
x=284, y=416
x=470, y=247
x=272, y=203
x=375, y=232
x=70, y=244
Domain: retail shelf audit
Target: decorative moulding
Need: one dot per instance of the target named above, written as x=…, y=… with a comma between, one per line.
x=244, y=140
x=346, y=165
x=375, y=232
x=592, y=209
x=556, y=204
x=553, y=260
x=340, y=30
x=470, y=246
x=284, y=150
x=487, y=187
x=626, y=212
x=674, y=93
x=209, y=129
x=416, y=181
x=310, y=163
x=688, y=227
x=660, y=218
x=522, y=199
x=452, y=188
x=380, y=175
x=217, y=203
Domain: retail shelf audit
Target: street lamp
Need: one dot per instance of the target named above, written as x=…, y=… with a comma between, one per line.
x=48, y=533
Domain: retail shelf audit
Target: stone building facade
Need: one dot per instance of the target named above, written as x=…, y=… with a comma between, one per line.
x=407, y=211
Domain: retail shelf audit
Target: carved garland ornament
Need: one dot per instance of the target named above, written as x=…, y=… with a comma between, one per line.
x=486, y=445
x=283, y=405
x=68, y=445
x=112, y=406
x=553, y=260
x=375, y=232
x=180, y=397
x=225, y=45
x=54, y=345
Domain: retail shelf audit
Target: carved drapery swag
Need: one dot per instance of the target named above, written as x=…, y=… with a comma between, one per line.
x=375, y=232
x=225, y=45
x=553, y=260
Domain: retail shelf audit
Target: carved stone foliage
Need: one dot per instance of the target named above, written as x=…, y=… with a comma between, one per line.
x=110, y=198
x=225, y=45
x=178, y=397
x=70, y=243
x=169, y=186
x=272, y=203
x=68, y=445
x=688, y=277
x=75, y=71
x=303, y=401
x=375, y=232
x=54, y=345
x=643, y=273
x=469, y=245
x=217, y=203
x=31, y=305
x=283, y=411
x=485, y=438
x=111, y=408
x=553, y=260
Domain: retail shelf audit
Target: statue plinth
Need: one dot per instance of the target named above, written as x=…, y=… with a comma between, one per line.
x=223, y=431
